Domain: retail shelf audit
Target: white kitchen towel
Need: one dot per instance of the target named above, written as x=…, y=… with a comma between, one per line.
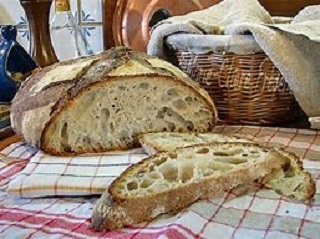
x=46, y=175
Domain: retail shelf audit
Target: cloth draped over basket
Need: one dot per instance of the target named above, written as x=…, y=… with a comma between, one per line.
x=293, y=48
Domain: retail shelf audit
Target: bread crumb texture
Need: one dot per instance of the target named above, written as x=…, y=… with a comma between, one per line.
x=102, y=102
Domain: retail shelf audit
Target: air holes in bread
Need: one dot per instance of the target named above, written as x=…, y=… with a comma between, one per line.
x=122, y=88
x=155, y=175
x=222, y=154
x=173, y=93
x=173, y=155
x=219, y=166
x=86, y=140
x=105, y=114
x=146, y=183
x=203, y=151
x=169, y=172
x=171, y=126
x=124, y=134
x=180, y=104
x=132, y=185
x=186, y=172
x=112, y=127
x=190, y=125
x=141, y=172
x=64, y=131
x=204, y=112
x=160, y=115
x=160, y=161
x=189, y=99
x=65, y=137
x=232, y=160
x=144, y=86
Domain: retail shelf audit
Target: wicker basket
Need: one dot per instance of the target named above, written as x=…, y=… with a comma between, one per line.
x=247, y=89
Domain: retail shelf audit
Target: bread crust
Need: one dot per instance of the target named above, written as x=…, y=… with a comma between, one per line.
x=307, y=187
x=152, y=147
x=114, y=211
x=60, y=108
x=96, y=73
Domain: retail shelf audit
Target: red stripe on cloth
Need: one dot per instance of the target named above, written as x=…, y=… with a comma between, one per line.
x=273, y=135
x=21, y=156
x=17, y=145
x=81, y=227
x=215, y=213
x=252, y=199
x=228, y=193
x=264, y=213
x=311, y=144
x=169, y=233
x=56, y=184
x=52, y=220
x=280, y=200
x=22, y=181
x=84, y=229
x=95, y=174
x=38, y=218
x=21, y=210
x=252, y=229
x=141, y=228
x=42, y=229
x=155, y=227
x=187, y=230
x=8, y=164
x=158, y=229
x=12, y=170
x=244, y=215
x=8, y=211
x=17, y=217
x=306, y=211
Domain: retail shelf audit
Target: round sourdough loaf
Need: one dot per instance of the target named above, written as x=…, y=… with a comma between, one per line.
x=102, y=102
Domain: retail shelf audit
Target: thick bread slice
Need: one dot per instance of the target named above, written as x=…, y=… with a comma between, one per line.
x=169, y=141
x=291, y=181
x=100, y=103
x=170, y=181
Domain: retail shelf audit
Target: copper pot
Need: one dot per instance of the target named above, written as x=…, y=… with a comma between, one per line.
x=133, y=19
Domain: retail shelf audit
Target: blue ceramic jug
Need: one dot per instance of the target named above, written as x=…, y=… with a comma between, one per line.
x=15, y=63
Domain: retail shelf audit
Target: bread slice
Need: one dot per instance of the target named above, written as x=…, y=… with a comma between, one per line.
x=102, y=102
x=170, y=181
x=291, y=181
x=169, y=141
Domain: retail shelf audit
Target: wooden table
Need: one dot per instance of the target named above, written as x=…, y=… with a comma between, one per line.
x=6, y=141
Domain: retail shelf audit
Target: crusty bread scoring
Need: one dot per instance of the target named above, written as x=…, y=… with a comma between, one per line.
x=100, y=103
x=170, y=181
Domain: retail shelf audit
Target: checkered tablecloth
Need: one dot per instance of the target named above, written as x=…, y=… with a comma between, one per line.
x=47, y=175
x=251, y=212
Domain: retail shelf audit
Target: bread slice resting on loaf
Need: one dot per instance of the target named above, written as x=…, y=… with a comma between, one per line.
x=291, y=180
x=170, y=181
x=169, y=141
x=102, y=102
